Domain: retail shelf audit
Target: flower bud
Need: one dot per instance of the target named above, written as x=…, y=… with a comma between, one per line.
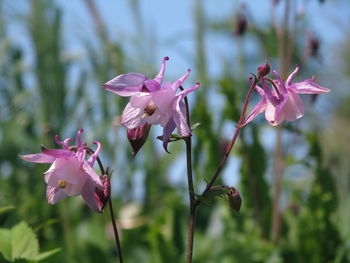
x=101, y=195
x=137, y=137
x=234, y=199
x=314, y=46
x=264, y=70
x=241, y=25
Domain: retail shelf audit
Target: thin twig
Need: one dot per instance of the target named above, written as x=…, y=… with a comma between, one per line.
x=229, y=148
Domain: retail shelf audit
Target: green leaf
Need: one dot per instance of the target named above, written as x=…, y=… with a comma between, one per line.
x=19, y=242
x=210, y=196
x=23, y=242
x=47, y=254
x=5, y=243
x=7, y=208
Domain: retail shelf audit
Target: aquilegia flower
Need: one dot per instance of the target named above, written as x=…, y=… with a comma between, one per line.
x=70, y=174
x=152, y=102
x=283, y=102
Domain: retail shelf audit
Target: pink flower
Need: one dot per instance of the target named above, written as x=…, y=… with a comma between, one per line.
x=283, y=102
x=70, y=174
x=152, y=102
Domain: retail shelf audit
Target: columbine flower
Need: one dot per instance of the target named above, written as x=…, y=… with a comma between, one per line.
x=152, y=102
x=70, y=174
x=283, y=102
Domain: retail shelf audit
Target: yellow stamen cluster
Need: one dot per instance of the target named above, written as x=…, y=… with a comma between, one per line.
x=62, y=184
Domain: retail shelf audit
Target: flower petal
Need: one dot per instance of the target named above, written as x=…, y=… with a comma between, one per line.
x=54, y=194
x=160, y=75
x=38, y=158
x=88, y=194
x=57, y=153
x=270, y=110
x=126, y=84
x=163, y=99
x=291, y=76
x=131, y=116
x=308, y=86
x=152, y=85
x=181, y=80
x=92, y=176
x=294, y=107
x=259, y=108
x=167, y=130
x=180, y=118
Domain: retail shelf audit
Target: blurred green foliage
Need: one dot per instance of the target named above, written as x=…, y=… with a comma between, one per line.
x=41, y=101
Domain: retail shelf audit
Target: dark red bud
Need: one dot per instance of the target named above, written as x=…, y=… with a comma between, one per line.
x=137, y=137
x=241, y=25
x=101, y=195
x=314, y=46
x=234, y=199
x=264, y=70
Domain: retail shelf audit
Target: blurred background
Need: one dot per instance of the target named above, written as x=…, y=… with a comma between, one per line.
x=294, y=179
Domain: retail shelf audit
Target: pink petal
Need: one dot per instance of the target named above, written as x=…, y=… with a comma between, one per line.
x=38, y=158
x=291, y=76
x=181, y=80
x=75, y=189
x=185, y=92
x=152, y=85
x=180, y=118
x=79, y=142
x=260, y=91
x=54, y=194
x=64, y=143
x=57, y=153
x=156, y=118
x=140, y=100
x=88, y=194
x=131, y=116
x=92, y=176
x=168, y=129
x=270, y=114
x=126, y=84
x=159, y=77
x=163, y=99
x=280, y=82
x=259, y=108
x=94, y=156
x=64, y=169
x=308, y=86
x=294, y=107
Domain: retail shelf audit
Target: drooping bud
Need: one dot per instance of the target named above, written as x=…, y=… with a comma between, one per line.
x=234, y=199
x=137, y=137
x=264, y=70
x=101, y=195
x=241, y=25
x=314, y=46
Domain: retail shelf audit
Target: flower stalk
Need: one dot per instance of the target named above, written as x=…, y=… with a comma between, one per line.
x=233, y=140
x=111, y=212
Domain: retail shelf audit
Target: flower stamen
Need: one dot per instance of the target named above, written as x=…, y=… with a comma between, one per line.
x=149, y=110
x=62, y=184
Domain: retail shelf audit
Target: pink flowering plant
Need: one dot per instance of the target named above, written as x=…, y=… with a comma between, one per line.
x=153, y=102
x=70, y=173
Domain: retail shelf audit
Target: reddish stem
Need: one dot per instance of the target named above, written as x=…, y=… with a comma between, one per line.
x=235, y=135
